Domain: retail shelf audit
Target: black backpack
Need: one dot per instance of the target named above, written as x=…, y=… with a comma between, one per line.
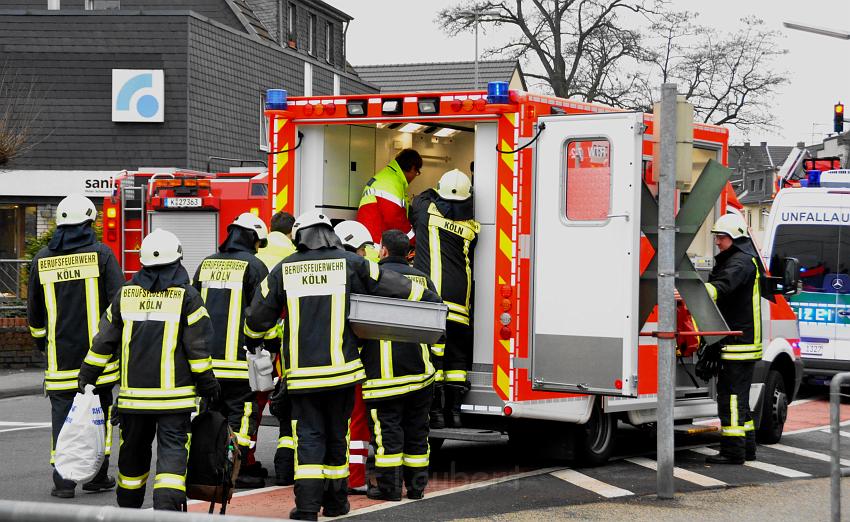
x=214, y=460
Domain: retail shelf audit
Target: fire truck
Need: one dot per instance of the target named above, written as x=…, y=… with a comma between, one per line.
x=564, y=191
x=195, y=206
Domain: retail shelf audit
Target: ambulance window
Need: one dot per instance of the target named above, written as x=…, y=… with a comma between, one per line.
x=587, y=180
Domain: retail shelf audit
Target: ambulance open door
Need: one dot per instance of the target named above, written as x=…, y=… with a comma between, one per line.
x=585, y=253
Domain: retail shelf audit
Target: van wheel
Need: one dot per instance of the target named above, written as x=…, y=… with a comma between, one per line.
x=594, y=440
x=774, y=409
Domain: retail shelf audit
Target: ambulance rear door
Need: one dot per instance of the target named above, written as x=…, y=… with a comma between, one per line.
x=585, y=253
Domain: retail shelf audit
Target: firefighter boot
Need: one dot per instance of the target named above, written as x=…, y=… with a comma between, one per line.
x=62, y=488
x=101, y=481
x=437, y=418
x=454, y=398
x=750, y=448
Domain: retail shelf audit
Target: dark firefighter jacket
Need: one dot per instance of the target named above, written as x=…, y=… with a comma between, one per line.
x=447, y=234
x=157, y=325
x=227, y=282
x=395, y=368
x=312, y=286
x=734, y=285
x=70, y=284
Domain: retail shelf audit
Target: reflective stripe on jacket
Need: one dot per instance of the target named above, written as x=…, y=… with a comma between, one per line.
x=395, y=368
x=67, y=293
x=162, y=341
x=384, y=203
x=227, y=283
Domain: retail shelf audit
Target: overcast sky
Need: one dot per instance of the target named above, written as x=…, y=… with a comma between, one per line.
x=404, y=31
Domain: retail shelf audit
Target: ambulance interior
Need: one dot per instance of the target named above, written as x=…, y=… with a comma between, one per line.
x=347, y=156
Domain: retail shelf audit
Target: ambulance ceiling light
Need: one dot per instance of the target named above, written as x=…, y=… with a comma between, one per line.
x=381, y=125
x=356, y=107
x=446, y=133
x=411, y=127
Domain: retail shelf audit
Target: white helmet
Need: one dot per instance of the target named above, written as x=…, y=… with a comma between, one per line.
x=732, y=225
x=160, y=247
x=455, y=185
x=353, y=233
x=249, y=221
x=309, y=219
x=75, y=209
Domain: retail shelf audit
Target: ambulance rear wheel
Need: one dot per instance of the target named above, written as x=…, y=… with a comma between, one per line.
x=774, y=409
x=594, y=440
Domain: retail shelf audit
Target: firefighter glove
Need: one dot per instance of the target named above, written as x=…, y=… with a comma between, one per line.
x=708, y=364
x=210, y=390
x=81, y=385
x=276, y=400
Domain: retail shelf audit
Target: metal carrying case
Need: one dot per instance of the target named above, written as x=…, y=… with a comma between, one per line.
x=385, y=318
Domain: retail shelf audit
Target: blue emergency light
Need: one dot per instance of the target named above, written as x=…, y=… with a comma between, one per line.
x=497, y=92
x=813, y=178
x=276, y=99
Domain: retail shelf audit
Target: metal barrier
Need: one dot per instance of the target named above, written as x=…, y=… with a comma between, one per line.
x=11, y=281
x=836, y=471
x=49, y=512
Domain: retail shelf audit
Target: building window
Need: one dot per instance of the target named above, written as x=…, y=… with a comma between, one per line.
x=329, y=42
x=587, y=180
x=750, y=218
x=292, y=25
x=752, y=185
x=760, y=184
x=99, y=5
x=311, y=35
x=264, y=124
x=762, y=214
x=53, y=5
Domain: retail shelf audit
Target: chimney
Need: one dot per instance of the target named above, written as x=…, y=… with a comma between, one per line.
x=801, y=144
x=764, y=144
x=746, y=144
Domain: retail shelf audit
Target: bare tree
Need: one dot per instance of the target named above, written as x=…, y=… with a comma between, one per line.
x=21, y=104
x=593, y=51
x=576, y=42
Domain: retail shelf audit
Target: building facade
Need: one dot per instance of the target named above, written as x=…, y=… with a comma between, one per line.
x=130, y=84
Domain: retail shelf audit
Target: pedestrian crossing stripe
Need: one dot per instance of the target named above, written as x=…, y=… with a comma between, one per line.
x=680, y=473
x=763, y=466
x=591, y=484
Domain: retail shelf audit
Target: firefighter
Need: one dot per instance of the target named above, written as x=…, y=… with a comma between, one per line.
x=227, y=282
x=398, y=394
x=385, y=202
x=279, y=248
x=447, y=232
x=355, y=238
x=734, y=285
x=322, y=360
x=71, y=281
x=158, y=326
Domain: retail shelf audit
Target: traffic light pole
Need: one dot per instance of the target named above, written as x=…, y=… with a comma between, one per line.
x=666, y=288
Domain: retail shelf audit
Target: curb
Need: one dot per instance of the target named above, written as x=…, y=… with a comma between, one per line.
x=20, y=392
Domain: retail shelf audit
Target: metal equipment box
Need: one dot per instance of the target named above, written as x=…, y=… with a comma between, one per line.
x=385, y=318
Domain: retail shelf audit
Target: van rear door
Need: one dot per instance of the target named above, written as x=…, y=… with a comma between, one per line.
x=585, y=253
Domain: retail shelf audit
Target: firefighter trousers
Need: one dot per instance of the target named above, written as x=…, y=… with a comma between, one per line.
x=134, y=459
x=284, y=456
x=238, y=404
x=320, y=422
x=400, y=425
x=733, y=406
x=262, y=401
x=60, y=406
x=457, y=359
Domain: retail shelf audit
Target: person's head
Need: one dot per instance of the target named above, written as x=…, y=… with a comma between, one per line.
x=313, y=221
x=160, y=247
x=75, y=209
x=354, y=235
x=249, y=221
x=410, y=163
x=282, y=222
x=727, y=229
x=454, y=185
x=394, y=243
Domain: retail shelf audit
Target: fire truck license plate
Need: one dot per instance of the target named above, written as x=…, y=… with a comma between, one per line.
x=182, y=202
x=811, y=349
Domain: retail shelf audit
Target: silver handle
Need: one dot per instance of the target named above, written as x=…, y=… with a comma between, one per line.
x=625, y=215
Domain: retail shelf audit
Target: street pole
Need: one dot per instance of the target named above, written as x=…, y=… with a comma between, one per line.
x=666, y=288
x=476, y=50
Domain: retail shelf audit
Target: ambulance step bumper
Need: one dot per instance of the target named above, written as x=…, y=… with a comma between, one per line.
x=695, y=429
x=468, y=434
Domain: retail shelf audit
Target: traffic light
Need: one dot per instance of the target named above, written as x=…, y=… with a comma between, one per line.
x=838, y=118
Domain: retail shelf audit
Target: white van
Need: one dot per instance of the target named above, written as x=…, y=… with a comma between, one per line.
x=812, y=224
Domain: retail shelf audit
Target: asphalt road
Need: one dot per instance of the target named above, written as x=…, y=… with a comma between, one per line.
x=472, y=480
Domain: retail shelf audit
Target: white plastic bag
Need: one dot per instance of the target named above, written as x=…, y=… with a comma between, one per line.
x=260, y=367
x=81, y=445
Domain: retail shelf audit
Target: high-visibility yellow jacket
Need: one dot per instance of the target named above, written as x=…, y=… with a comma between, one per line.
x=384, y=203
x=67, y=293
x=162, y=340
x=279, y=247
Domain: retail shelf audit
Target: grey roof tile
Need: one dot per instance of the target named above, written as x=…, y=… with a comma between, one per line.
x=444, y=76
